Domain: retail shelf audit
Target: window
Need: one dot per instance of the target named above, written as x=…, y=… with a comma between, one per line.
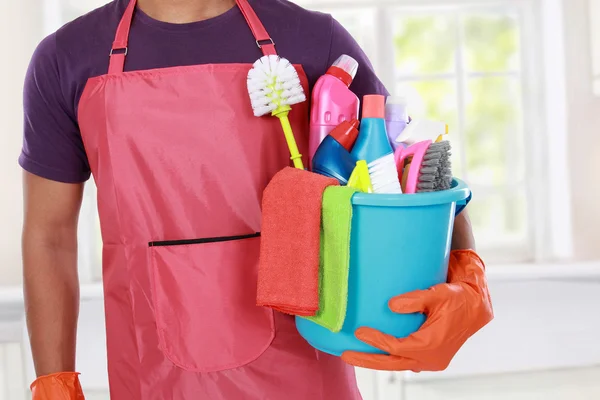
x=59, y=12
x=471, y=64
x=464, y=64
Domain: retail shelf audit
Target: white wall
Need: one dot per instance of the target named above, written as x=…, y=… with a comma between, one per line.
x=20, y=27
x=584, y=120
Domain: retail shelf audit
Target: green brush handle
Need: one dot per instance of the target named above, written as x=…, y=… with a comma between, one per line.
x=282, y=113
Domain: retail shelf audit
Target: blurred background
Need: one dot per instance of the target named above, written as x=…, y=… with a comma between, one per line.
x=518, y=82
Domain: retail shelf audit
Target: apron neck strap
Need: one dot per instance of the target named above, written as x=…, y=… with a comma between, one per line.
x=119, y=48
x=263, y=39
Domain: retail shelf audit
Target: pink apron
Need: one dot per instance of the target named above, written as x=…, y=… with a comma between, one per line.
x=180, y=163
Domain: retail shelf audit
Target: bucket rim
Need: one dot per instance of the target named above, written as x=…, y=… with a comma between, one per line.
x=458, y=192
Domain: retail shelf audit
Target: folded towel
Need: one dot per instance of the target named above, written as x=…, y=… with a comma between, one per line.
x=288, y=272
x=335, y=257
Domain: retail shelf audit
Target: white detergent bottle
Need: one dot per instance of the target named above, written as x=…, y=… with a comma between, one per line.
x=374, y=147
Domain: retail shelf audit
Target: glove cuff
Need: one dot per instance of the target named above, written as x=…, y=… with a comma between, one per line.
x=57, y=386
x=466, y=266
x=62, y=376
x=468, y=254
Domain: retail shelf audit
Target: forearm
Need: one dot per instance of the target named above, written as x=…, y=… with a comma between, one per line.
x=51, y=297
x=462, y=236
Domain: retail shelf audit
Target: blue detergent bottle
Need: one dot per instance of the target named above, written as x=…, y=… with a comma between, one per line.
x=374, y=147
x=333, y=157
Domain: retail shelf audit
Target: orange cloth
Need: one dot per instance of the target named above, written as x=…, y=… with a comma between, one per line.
x=288, y=272
x=60, y=386
x=455, y=311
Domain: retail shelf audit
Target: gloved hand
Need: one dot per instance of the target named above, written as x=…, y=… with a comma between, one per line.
x=60, y=386
x=455, y=311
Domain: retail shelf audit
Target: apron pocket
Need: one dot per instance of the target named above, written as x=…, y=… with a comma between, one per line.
x=205, y=302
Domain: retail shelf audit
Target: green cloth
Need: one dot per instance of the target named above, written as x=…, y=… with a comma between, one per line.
x=335, y=257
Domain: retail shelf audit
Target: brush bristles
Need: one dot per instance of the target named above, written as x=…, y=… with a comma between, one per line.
x=273, y=82
x=436, y=170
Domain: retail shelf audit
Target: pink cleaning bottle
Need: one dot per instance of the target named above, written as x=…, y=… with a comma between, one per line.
x=332, y=101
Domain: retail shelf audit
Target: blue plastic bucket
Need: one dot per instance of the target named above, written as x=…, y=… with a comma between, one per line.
x=399, y=243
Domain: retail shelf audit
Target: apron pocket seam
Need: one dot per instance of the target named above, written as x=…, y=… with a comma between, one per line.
x=165, y=339
x=191, y=242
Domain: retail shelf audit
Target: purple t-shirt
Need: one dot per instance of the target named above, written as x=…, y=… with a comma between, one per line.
x=64, y=61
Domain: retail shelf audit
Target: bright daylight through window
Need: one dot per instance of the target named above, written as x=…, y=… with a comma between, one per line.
x=463, y=67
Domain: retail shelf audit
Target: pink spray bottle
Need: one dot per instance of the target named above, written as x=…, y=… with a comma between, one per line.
x=332, y=101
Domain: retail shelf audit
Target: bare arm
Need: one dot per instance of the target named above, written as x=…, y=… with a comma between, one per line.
x=50, y=271
x=462, y=236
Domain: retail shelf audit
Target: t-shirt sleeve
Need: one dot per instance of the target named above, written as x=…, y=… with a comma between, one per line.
x=366, y=81
x=52, y=144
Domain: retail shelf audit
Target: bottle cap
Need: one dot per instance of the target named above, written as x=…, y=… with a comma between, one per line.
x=396, y=109
x=346, y=133
x=373, y=106
x=396, y=100
x=344, y=68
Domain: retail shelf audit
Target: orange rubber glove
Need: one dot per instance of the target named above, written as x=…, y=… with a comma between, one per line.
x=455, y=311
x=60, y=386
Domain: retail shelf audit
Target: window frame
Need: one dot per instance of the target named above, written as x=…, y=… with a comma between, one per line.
x=544, y=109
x=594, y=14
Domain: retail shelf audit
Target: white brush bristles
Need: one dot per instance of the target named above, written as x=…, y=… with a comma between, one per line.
x=273, y=82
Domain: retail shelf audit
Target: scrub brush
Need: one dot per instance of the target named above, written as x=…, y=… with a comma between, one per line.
x=274, y=86
x=429, y=168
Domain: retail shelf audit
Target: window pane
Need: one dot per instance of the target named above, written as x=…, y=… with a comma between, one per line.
x=494, y=147
x=434, y=100
x=425, y=44
x=499, y=220
x=491, y=42
x=360, y=23
x=72, y=9
x=84, y=5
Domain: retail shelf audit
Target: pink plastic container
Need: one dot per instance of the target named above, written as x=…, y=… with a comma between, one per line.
x=332, y=101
